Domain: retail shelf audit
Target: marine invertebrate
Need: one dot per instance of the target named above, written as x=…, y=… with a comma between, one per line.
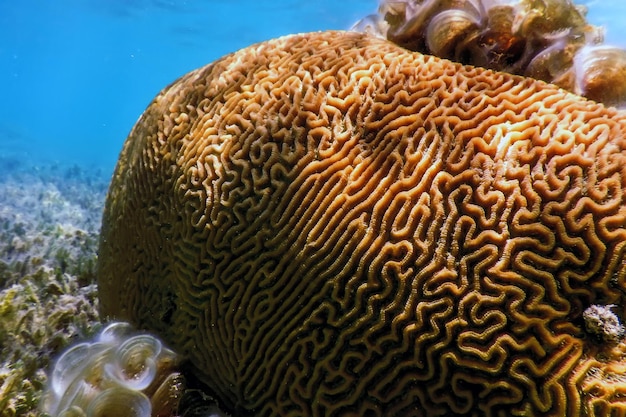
x=600, y=74
x=114, y=376
x=601, y=321
x=327, y=224
x=545, y=39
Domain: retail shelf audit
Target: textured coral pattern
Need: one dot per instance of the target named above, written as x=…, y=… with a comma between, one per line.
x=327, y=224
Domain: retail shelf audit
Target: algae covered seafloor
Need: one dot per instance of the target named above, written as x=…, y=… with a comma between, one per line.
x=49, y=225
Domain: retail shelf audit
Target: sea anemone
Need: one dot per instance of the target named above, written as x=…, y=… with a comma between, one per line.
x=119, y=373
x=549, y=40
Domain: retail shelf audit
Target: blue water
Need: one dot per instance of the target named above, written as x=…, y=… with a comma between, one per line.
x=76, y=74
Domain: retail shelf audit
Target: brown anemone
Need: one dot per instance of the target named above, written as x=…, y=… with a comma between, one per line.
x=327, y=224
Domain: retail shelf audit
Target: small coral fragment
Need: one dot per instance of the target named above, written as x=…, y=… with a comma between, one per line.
x=602, y=321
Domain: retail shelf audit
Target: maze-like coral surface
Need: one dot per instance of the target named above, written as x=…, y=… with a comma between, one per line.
x=326, y=224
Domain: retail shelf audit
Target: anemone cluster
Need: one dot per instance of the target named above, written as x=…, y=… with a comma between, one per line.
x=118, y=374
x=548, y=40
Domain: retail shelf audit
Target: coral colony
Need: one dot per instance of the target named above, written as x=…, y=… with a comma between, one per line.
x=327, y=224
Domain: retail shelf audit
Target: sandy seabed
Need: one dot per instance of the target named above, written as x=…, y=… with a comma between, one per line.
x=49, y=227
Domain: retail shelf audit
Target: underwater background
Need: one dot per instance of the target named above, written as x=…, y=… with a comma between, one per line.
x=75, y=76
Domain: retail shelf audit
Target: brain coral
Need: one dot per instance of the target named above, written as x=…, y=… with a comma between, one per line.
x=327, y=224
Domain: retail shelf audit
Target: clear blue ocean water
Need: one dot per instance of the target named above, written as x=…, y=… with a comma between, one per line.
x=76, y=74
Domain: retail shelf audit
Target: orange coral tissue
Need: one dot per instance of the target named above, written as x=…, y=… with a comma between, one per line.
x=327, y=224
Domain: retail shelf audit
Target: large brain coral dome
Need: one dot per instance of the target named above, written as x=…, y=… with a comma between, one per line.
x=327, y=224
